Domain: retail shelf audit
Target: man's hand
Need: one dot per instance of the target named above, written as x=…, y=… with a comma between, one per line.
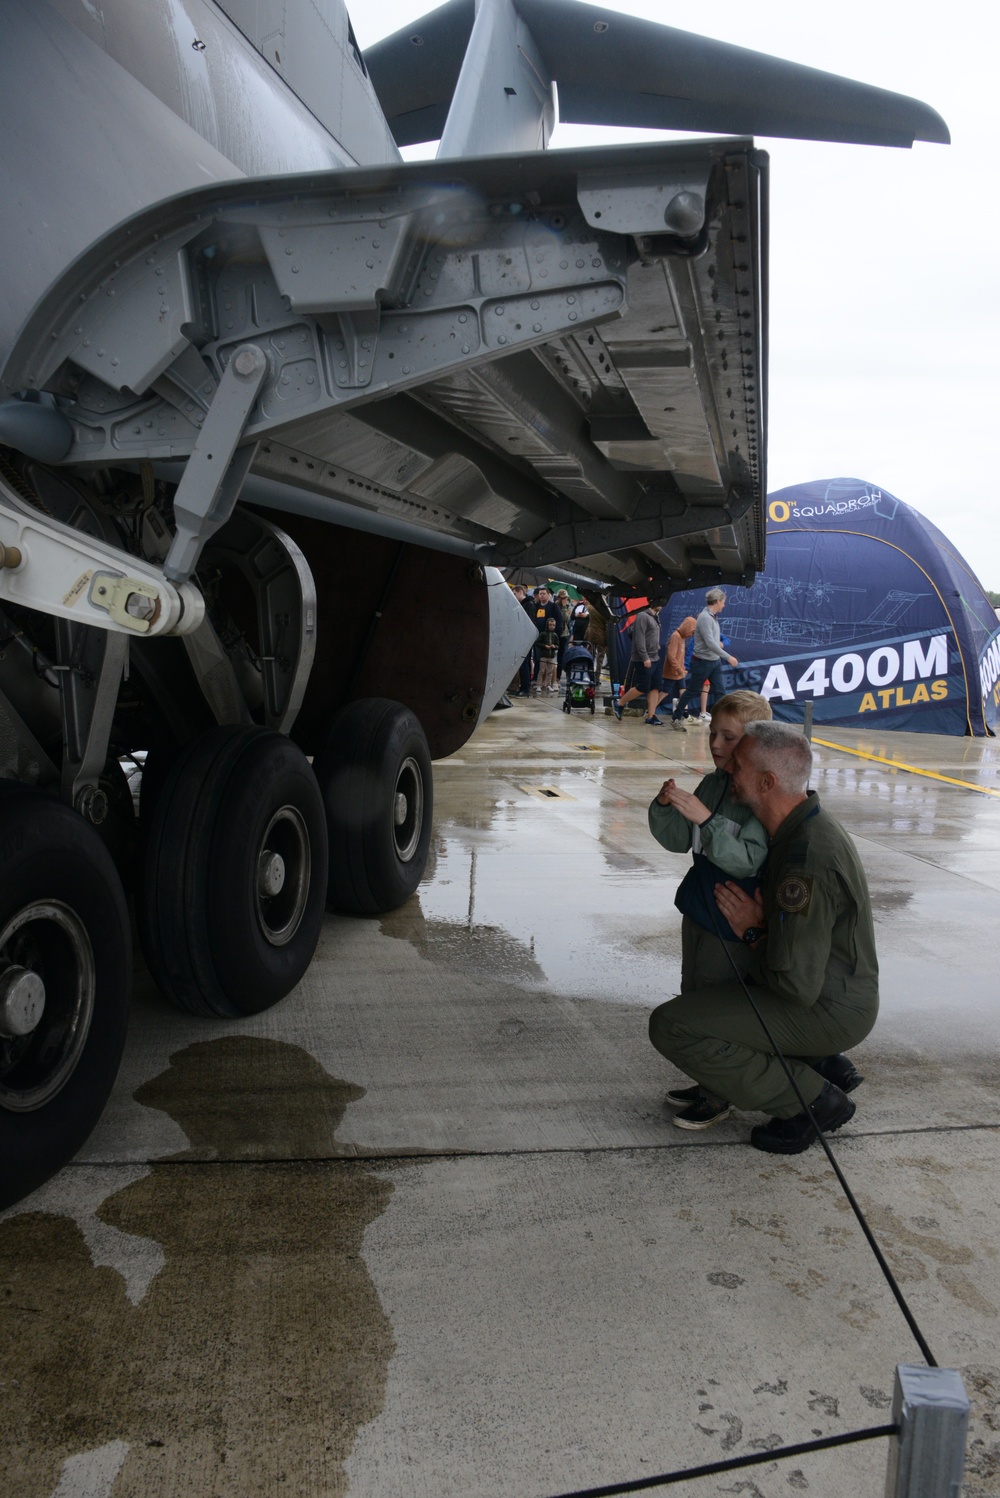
x=647, y=664
x=740, y=909
x=690, y=808
x=733, y=661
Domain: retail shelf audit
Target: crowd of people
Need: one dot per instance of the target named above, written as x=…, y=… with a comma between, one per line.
x=686, y=672
x=567, y=630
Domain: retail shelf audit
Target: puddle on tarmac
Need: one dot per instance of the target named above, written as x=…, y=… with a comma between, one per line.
x=482, y=951
x=260, y=1348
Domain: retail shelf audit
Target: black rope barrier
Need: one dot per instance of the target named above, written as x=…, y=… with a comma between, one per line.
x=880, y=1258
x=849, y=1438
x=733, y=1464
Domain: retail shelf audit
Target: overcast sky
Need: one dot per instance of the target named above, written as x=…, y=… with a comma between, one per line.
x=884, y=263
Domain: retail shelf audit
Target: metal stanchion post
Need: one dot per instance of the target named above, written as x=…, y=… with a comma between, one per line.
x=807, y=719
x=927, y=1458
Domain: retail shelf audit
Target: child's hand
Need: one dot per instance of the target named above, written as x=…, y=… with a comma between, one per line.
x=690, y=808
x=664, y=793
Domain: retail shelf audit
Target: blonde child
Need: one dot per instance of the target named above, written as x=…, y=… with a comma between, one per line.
x=727, y=842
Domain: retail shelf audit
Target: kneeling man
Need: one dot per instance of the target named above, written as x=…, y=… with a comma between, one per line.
x=814, y=974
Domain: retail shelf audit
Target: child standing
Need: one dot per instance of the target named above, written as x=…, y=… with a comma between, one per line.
x=548, y=651
x=675, y=667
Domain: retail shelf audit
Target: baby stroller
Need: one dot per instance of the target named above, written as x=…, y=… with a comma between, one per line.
x=581, y=690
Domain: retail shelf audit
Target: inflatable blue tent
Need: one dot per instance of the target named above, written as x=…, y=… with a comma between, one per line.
x=866, y=610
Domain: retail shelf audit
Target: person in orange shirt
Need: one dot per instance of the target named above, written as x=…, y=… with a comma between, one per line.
x=674, y=672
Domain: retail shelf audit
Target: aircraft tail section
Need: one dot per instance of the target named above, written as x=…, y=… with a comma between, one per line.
x=614, y=69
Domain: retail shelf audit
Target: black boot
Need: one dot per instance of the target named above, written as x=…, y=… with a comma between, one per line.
x=790, y=1136
x=839, y=1071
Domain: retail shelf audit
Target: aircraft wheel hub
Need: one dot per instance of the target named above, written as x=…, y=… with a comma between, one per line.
x=270, y=874
x=22, y=1000
x=283, y=868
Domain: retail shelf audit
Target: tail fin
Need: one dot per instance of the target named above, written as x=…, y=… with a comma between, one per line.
x=613, y=69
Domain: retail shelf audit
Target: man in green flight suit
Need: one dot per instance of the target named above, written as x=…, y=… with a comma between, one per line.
x=814, y=974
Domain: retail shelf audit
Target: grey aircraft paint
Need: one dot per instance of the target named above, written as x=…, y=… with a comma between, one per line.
x=230, y=313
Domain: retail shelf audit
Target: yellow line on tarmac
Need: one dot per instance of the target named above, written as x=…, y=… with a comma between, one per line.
x=896, y=764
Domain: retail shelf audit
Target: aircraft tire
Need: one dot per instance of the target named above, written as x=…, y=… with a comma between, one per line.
x=377, y=784
x=234, y=877
x=63, y=918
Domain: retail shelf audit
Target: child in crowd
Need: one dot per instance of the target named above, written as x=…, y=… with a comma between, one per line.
x=548, y=651
x=675, y=668
x=727, y=842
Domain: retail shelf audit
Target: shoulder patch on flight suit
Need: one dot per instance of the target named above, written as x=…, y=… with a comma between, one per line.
x=794, y=893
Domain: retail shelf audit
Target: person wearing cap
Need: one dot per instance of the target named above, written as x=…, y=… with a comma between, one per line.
x=814, y=972
x=542, y=610
x=565, y=607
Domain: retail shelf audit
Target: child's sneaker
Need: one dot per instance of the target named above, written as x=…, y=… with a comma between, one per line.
x=703, y=1114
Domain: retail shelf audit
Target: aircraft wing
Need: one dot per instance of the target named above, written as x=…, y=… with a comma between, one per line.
x=614, y=69
x=554, y=358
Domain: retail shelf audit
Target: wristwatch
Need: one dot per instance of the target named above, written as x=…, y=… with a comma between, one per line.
x=753, y=934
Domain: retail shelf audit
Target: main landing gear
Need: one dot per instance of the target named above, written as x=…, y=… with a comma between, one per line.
x=241, y=842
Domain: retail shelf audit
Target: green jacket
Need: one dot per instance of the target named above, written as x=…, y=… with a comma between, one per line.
x=731, y=844
x=820, y=936
x=732, y=837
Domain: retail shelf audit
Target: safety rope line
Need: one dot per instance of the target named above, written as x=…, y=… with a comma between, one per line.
x=880, y=1258
x=855, y=1208
x=733, y=1464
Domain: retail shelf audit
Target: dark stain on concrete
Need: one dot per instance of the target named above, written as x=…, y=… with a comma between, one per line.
x=261, y=1347
x=982, y=1461
x=240, y=1098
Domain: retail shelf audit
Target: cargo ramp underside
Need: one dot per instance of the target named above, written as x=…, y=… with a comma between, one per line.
x=540, y=359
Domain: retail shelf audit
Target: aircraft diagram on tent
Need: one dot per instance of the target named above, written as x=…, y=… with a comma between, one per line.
x=867, y=611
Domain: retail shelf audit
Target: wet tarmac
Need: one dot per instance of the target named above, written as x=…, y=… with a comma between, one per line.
x=426, y=1229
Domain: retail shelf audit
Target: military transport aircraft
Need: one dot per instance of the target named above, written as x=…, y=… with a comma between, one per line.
x=275, y=407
